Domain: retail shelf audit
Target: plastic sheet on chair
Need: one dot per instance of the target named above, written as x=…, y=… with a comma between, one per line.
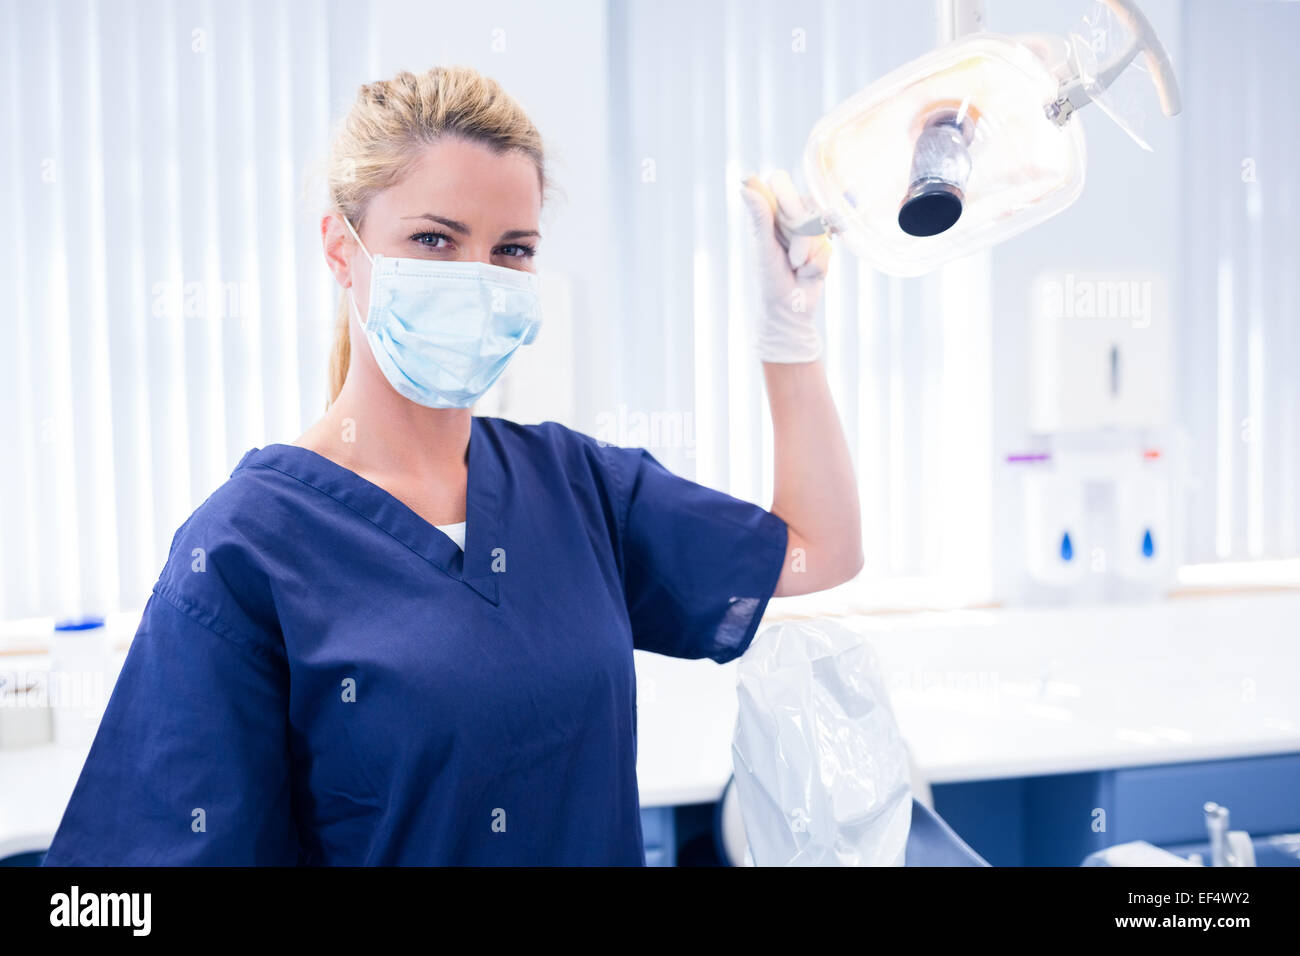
x=822, y=773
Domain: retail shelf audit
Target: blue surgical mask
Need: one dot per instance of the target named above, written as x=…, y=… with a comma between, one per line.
x=444, y=331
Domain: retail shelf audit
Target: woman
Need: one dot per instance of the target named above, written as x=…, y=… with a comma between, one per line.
x=407, y=637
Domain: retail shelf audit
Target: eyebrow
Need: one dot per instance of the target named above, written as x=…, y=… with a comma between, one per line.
x=464, y=230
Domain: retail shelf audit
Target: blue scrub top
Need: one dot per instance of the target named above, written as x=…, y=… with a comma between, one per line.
x=323, y=677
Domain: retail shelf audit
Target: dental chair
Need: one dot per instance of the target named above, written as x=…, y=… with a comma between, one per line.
x=930, y=842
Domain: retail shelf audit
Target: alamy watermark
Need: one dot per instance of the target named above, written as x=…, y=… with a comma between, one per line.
x=632, y=428
x=1086, y=297
x=204, y=300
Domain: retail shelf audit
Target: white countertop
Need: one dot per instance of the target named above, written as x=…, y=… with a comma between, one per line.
x=35, y=785
x=991, y=694
x=1026, y=692
x=978, y=695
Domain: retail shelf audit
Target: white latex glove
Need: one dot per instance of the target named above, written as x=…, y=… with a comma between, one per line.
x=792, y=281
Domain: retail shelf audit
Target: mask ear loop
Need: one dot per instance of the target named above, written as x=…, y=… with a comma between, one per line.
x=369, y=258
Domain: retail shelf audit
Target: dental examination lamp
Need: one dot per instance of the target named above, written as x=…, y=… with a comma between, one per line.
x=972, y=143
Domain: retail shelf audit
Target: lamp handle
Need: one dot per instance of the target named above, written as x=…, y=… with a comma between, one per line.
x=1146, y=42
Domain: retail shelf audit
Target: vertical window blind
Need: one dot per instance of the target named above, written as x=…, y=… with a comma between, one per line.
x=168, y=306
x=1239, y=331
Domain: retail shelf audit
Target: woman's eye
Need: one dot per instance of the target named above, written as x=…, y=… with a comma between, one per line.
x=431, y=239
x=517, y=251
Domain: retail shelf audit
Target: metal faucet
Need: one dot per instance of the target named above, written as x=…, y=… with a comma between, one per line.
x=1216, y=823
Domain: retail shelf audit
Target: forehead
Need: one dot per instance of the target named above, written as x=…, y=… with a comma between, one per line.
x=469, y=182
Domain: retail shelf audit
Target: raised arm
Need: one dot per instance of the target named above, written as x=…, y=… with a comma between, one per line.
x=816, y=491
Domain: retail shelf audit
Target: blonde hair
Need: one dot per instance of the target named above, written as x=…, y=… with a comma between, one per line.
x=382, y=134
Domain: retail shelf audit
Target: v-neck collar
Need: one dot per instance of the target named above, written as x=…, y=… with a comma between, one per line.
x=473, y=566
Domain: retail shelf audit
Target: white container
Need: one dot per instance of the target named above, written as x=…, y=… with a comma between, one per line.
x=25, y=719
x=80, y=682
x=1057, y=543
x=1100, y=352
x=1142, y=528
